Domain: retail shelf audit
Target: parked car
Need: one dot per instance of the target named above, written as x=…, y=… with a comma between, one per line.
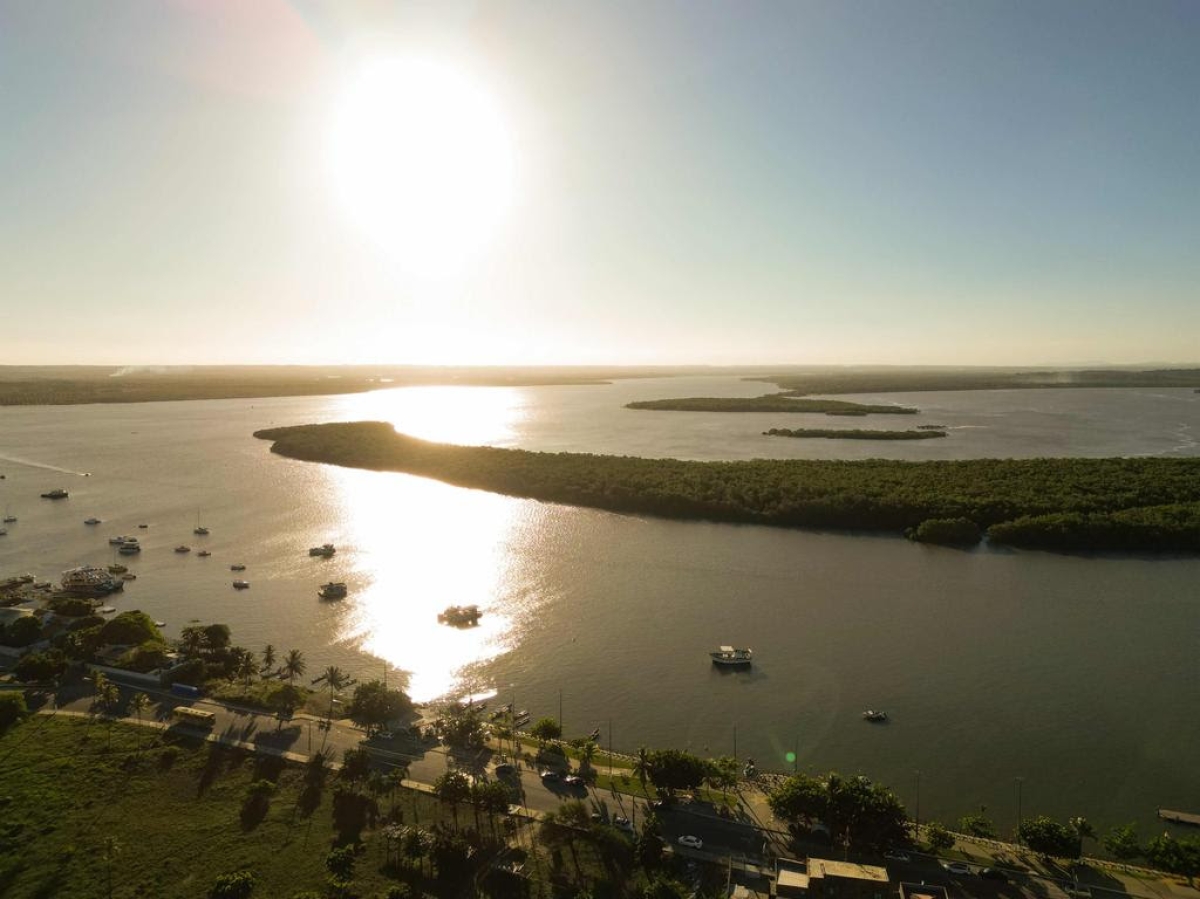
x=993, y=874
x=690, y=842
x=897, y=856
x=550, y=776
x=956, y=868
x=623, y=824
x=505, y=770
x=573, y=780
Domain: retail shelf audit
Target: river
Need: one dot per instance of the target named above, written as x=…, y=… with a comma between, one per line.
x=1074, y=675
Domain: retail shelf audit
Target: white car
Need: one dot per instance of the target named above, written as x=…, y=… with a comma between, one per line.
x=896, y=855
x=956, y=868
x=690, y=842
x=623, y=824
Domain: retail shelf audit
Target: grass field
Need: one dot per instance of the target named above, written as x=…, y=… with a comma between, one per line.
x=164, y=815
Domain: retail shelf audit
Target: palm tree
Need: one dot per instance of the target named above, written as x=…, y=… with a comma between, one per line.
x=247, y=667
x=336, y=680
x=452, y=787
x=137, y=704
x=587, y=754
x=294, y=665
x=395, y=778
x=641, y=767
x=191, y=641
x=268, y=659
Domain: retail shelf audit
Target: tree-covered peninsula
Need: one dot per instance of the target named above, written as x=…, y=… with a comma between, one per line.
x=773, y=402
x=1142, y=504
x=852, y=434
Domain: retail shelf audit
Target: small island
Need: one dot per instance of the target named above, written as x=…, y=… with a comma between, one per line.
x=772, y=402
x=853, y=434
x=1143, y=504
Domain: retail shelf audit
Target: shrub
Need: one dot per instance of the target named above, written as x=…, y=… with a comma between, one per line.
x=23, y=631
x=41, y=666
x=12, y=708
x=948, y=532
x=70, y=606
x=340, y=862
x=237, y=885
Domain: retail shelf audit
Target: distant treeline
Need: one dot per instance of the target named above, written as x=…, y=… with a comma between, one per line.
x=775, y=402
x=1149, y=504
x=853, y=434
x=901, y=380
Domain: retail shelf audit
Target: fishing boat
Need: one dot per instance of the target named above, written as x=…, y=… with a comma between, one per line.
x=91, y=521
x=729, y=657
x=332, y=590
x=240, y=585
x=130, y=547
x=460, y=616
x=237, y=566
x=119, y=539
x=325, y=550
x=114, y=568
x=183, y=548
x=875, y=715
x=204, y=554
x=56, y=493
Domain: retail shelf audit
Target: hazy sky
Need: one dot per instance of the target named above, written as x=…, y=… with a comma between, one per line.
x=786, y=182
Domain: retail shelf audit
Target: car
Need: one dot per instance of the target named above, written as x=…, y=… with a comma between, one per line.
x=622, y=824
x=386, y=735
x=597, y=817
x=993, y=874
x=550, y=776
x=505, y=770
x=897, y=856
x=956, y=868
x=573, y=780
x=690, y=842
x=659, y=804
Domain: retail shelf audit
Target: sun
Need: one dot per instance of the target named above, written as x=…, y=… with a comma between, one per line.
x=422, y=162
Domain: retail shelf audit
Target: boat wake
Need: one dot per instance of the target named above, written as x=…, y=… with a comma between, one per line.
x=17, y=460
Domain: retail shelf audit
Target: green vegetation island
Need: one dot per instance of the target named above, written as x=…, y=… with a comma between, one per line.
x=915, y=380
x=773, y=402
x=1123, y=505
x=854, y=434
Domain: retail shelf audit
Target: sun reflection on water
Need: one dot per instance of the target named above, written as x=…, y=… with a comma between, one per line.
x=462, y=415
x=418, y=547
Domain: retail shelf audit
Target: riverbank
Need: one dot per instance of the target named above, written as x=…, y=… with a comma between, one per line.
x=852, y=434
x=775, y=402
x=1145, y=505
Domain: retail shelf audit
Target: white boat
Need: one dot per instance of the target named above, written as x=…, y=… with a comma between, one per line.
x=332, y=590
x=875, y=715
x=325, y=550
x=9, y=519
x=57, y=493
x=241, y=585
x=730, y=657
x=3, y=532
x=202, y=531
x=129, y=548
x=117, y=541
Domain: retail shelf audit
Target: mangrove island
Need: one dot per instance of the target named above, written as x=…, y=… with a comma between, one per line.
x=1137, y=504
x=854, y=433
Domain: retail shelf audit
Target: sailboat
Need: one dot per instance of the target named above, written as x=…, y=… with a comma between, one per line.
x=199, y=529
x=9, y=518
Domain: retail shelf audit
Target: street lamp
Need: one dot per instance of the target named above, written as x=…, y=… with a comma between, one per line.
x=918, y=773
x=1020, y=819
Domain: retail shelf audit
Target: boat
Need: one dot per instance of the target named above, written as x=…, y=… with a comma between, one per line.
x=117, y=541
x=460, y=616
x=241, y=585
x=3, y=532
x=237, y=566
x=875, y=715
x=90, y=582
x=332, y=590
x=91, y=521
x=129, y=576
x=730, y=657
x=117, y=569
x=594, y=736
x=202, y=531
x=143, y=526
x=204, y=553
x=325, y=550
x=56, y=493
x=106, y=610
x=129, y=548
x=183, y=548
x=10, y=519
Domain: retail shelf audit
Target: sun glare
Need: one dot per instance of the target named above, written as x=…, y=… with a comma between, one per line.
x=422, y=161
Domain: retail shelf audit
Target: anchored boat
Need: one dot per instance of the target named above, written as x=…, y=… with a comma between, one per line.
x=729, y=657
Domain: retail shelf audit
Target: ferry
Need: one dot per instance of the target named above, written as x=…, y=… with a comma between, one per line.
x=460, y=616
x=325, y=550
x=90, y=582
x=332, y=590
x=729, y=657
x=875, y=715
x=57, y=493
x=240, y=585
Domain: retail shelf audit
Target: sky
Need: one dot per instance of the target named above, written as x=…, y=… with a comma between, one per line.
x=892, y=182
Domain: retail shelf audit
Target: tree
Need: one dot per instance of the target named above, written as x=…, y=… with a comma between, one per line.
x=247, y=666
x=722, y=773
x=672, y=770
x=415, y=843
x=978, y=826
x=41, y=667
x=216, y=638
x=12, y=708
x=132, y=628
x=938, y=837
x=545, y=730
x=191, y=641
x=340, y=862
x=268, y=659
x=336, y=680
x=452, y=788
x=238, y=885
x=1122, y=842
x=649, y=848
x=800, y=799
x=356, y=764
x=1174, y=856
x=138, y=703
x=641, y=766
x=25, y=630
x=1049, y=838
x=374, y=705
x=294, y=665
x=1083, y=831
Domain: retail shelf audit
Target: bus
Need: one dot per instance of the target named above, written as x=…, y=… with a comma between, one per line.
x=199, y=717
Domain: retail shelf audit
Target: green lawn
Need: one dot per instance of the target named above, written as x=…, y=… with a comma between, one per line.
x=173, y=808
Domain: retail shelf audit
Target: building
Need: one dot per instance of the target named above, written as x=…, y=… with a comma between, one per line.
x=821, y=878
x=922, y=891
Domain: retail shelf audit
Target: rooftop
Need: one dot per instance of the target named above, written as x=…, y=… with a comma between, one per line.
x=823, y=867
